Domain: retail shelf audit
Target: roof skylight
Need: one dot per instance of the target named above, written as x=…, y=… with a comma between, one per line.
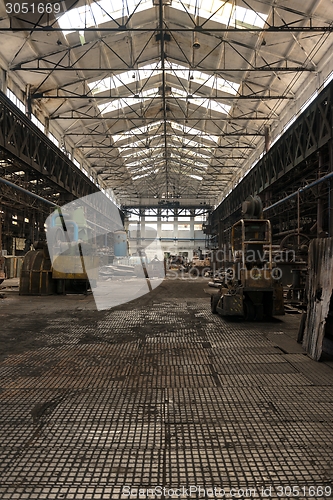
x=144, y=130
x=199, y=101
x=222, y=12
x=202, y=101
x=98, y=13
x=132, y=76
x=147, y=71
x=211, y=81
x=117, y=104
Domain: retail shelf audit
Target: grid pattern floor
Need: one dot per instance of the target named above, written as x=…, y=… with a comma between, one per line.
x=166, y=396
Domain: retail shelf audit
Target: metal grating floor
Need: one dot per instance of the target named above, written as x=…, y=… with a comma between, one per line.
x=165, y=395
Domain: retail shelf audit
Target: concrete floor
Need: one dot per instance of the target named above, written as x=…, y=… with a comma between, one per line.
x=158, y=393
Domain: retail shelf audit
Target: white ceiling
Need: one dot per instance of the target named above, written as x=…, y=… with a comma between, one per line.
x=169, y=101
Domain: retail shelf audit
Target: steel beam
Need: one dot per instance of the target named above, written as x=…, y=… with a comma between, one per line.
x=23, y=141
x=147, y=121
x=216, y=71
x=311, y=131
x=33, y=28
x=165, y=98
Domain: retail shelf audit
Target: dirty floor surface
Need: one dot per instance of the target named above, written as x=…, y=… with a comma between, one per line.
x=158, y=398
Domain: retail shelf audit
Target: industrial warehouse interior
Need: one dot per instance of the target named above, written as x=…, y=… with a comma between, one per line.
x=166, y=249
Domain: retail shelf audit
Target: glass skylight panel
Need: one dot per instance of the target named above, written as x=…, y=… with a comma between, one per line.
x=145, y=175
x=154, y=126
x=224, y=13
x=117, y=104
x=193, y=143
x=193, y=131
x=202, y=101
x=137, y=131
x=150, y=70
x=189, y=142
x=126, y=78
x=140, y=176
x=140, y=143
x=98, y=13
x=197, y=177
x=248, y=17
x=133, y=164
x=212, y=81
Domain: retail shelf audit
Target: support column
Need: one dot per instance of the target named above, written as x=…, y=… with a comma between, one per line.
x=267, y=139
x=3, y=80
x=28, y=107
x=330, y=193
x=47, y=125
x=320, y=200
x=143, y=227
x=192, y=228
x=159, y=224
x=175, y=233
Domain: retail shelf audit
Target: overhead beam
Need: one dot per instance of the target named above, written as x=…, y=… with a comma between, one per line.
x=188, y=136
x=198, y=29
x=169, y=146
x=144, y=120
x=282, y=69
x=161, y=98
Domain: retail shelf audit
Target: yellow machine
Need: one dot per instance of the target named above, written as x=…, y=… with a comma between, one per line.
x=250, y=284
x=64, y=263
x=199, y=265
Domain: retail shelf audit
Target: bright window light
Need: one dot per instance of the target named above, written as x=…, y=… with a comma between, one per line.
x=99, y=12
x=247, y=18
x=38, y=123
x=115, y=81
x=171, y=68
x=145, y=175
x=211, y=81
x=137, y=131
x=222, y=12
x=117, y=104
x=53, y=139
x=175, y=127
x=187, y=142
x=202, y=101
x=139, y=176
x=194, y=131
x=16, y=100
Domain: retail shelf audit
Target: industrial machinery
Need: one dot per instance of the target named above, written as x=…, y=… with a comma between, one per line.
x=2, y=269
x=200, y=263
x=63, y=264
x=249, y=282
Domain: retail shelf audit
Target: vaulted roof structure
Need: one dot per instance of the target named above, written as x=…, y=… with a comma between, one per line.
x=168, y=99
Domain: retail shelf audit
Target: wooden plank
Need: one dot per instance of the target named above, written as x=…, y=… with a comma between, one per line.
x=319, y=292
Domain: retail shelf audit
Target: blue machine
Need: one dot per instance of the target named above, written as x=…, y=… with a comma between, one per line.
x=120, y=243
